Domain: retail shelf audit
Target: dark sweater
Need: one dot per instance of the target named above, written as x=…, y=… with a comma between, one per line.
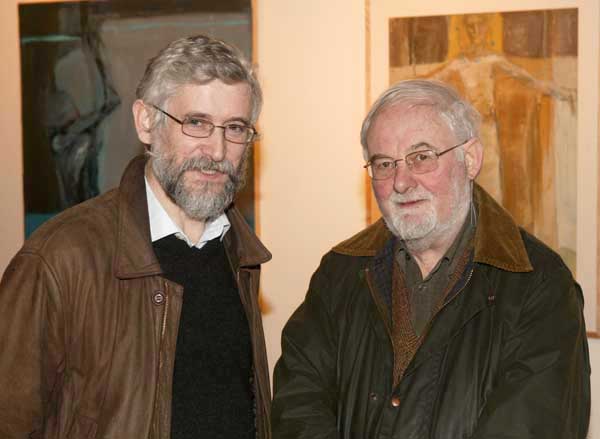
x=212, y=391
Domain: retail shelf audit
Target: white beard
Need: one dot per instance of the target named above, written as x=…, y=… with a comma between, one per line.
x=420, y=233
x=402, y=225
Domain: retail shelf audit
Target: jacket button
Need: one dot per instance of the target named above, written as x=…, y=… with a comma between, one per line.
x=373, y=396
x=158, y=298
x=395, y=401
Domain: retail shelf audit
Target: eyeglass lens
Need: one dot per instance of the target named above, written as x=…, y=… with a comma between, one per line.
x=419, y=162
x=233, y=132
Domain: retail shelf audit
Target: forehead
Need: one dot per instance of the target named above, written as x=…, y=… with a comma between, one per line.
x=401, y=128
x=214, y=99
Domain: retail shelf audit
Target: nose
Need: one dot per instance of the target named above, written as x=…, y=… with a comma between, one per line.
x=215, y=145
x=404, y=179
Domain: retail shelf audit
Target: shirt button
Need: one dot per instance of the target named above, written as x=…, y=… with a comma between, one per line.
x=395, y=401
x=158, y=298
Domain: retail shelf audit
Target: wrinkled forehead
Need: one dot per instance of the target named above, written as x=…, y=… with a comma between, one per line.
x=421, y=114
x=215, y=98
x=219, y=86
x=408, y=124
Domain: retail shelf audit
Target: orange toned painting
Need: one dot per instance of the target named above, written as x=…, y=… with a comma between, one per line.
x=519, y=69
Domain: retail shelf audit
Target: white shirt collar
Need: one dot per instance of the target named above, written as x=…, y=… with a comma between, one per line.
x=161, y=224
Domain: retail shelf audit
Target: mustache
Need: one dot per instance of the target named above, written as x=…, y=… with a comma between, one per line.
x=415, y=195
x=205, y=163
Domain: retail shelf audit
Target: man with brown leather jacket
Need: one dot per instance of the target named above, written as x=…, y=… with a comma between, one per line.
x=135, y=314
x=444, y=320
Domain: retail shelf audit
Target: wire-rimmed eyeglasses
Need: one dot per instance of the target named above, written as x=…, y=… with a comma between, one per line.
x=234, y=132
x=418, y=162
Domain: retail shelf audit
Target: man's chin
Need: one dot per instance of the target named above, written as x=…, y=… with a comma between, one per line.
x=409, y=227
x=205, y=208
x=205, y=189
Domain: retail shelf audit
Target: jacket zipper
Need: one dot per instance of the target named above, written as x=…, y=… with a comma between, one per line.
x=385, y=321
x=164, y=319
x=160, y=350
x=449, y=301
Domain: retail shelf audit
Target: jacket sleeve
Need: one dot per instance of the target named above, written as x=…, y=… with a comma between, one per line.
x=305, y=401
x=543, y=383
x=30, y=343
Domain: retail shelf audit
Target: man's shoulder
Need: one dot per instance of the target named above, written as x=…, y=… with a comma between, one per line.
x=350, y=257
x=91, y=220
x=367, y=242
x=544, y=259
x=549, y=282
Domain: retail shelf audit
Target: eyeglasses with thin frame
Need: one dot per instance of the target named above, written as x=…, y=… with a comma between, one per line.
x=418, y=162
x=234, y=132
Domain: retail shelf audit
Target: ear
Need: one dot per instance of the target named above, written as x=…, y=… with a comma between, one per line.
x=141, y=118
x=473, y=157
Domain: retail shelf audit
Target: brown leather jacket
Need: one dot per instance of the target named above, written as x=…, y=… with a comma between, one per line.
x=88, y=326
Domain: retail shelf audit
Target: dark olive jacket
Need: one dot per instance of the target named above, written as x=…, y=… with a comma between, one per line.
x=88, y=325
x=505, y=357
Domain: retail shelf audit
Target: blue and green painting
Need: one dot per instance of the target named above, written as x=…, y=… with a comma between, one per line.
x=80, y=64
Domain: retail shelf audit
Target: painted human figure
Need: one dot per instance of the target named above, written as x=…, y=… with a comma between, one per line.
x=517, y=122
x=75, y=133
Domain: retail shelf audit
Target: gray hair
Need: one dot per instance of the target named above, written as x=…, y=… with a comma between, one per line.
x=460, y=116
x=196, y=60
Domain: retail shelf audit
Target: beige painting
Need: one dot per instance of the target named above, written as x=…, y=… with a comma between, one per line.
x=519, y=69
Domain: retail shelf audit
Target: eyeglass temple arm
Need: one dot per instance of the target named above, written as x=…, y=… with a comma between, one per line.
x=452, y=147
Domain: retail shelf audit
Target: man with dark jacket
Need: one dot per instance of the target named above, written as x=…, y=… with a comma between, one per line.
x=135, y=314
x=443, y=320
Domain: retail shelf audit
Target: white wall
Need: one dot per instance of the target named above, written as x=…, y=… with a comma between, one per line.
x=11, y=169
x=310, y=192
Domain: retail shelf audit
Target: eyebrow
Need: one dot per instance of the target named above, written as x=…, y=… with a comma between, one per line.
x=209, y=118
x=380, y=156
x=197, y=115
x=239, y=119
x=421, y=146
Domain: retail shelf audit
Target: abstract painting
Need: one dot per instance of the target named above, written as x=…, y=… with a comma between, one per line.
x=80, y=64
x=519, y=69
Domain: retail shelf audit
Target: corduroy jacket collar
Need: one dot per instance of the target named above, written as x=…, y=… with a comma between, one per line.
x=135, y=256
x=498, y=240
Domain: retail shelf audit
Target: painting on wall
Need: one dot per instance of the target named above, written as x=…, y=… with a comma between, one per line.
x=519, y=69
x=523, y=67
x=80, y=64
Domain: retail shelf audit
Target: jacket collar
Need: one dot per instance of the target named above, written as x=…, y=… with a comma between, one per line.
x=498, y=239
x=242, y=245
x=135, y=256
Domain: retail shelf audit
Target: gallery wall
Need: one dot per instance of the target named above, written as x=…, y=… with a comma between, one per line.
x=311, y=193
x=310, y=183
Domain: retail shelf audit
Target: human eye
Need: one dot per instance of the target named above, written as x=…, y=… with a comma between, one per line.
x=420, y=157
x=197, y=122
x=236, y=128
x=382, y=163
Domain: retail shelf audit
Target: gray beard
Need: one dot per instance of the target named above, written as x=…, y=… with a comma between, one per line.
x=429, y=230
x=205, y=202
x=408, y=230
